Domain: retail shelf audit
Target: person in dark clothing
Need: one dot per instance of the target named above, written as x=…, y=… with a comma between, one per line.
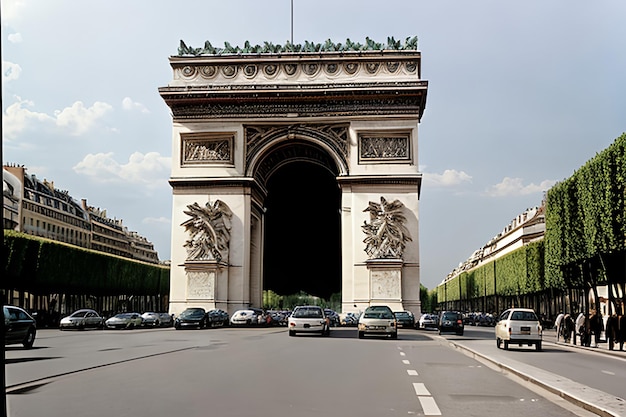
x=621, y=331
x=612, y=327
x=596, y=324
x=568, y=327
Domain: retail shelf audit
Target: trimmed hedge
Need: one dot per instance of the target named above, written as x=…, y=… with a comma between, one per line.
x=42, y=266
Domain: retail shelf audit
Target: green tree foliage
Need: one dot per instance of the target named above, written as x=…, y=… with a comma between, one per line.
x=42, y=266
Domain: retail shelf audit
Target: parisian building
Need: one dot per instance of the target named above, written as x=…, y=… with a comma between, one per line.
x=38, y=208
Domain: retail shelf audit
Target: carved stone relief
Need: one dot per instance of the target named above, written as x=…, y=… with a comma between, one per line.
x=385, y=284
x=201, y=284
x=206, y=149
x=384, y=147
x=386, y=233
x=209, y=232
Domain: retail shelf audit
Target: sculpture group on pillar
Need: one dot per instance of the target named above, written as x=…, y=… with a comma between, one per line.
x=209, y=231
x=386, y=233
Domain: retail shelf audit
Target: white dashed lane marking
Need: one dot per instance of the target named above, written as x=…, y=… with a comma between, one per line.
x=406, y=362
x=411, y=372
x=429, y=406
x=420, y=388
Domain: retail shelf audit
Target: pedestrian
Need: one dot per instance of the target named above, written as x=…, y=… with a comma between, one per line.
x=580, y=329
x=621, y=331
x=612, y=327
x=557, y=325
x=568, y=327
x=585, y=332
x=596, y=326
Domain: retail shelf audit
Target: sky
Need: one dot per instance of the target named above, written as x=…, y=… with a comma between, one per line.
x=521, y=94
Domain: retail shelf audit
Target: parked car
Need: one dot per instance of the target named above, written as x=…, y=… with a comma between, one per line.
x=350, y=319
x=124, y=321
x=451, y=322
x=166, y=319
x=405, y=319
x=82, y=319
x=19, y=327
x=194, y=317
x=151, y=319
x=333, y=317
x=248, y=317
x=308, y=319
x=217, y=318
x=519, y=326
x=378, y=320
x=428, y=321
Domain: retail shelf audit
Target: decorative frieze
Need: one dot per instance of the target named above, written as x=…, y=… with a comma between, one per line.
x=385, y=147
x=206, y=148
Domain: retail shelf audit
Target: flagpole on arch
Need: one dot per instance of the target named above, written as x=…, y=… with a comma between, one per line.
x=292, y=22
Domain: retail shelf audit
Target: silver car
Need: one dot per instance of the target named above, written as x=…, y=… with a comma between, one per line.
x=82, y=319
x=124, y=321
x=308, y=319
x=378, y=320
x=518, y=326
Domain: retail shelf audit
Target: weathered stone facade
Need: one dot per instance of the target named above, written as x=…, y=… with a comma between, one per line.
x=237, y=117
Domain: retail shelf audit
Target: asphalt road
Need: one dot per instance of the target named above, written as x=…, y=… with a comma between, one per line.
x=258, y=372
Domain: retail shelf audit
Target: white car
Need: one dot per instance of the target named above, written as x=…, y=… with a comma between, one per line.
x=124, y=321
x=428, y=321
x=308, y=319
x=378, y=320
x=518, y=326
x=248, y=317
x=82, y=319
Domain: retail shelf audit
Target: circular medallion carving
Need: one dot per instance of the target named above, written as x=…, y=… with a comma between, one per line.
x=310, y=69
x=188, y=71
x=229, y=71
x=392, y=66
x=270, y=70
x=331, y=68
x=411, y=66
x=372, y=67
x=350, y=67
x=249, y=71
x=291, y=69
x=208, y=71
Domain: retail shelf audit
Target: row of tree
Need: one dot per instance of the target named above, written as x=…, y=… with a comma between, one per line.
x=584, y=244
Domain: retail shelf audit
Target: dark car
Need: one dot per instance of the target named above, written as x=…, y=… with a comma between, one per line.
x=192, y=317
x=405, y=319
x=19, y=327
x=451, y=322
x=217, y=318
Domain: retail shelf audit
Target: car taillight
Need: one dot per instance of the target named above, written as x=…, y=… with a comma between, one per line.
x=459, y=321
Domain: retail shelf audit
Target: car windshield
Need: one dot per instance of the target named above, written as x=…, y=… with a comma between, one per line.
x=308, y=313
x=192, y=313
x=79, y=314
x=402, y=314
x=378, y=314
x=124, y=316
x=450, y=316
x=524, y=316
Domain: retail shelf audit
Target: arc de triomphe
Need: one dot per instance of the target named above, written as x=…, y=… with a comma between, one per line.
x=239, y=114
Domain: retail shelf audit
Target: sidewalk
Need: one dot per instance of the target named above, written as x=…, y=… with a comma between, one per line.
x=549, y=336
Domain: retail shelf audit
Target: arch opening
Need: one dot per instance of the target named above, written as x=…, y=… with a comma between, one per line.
x=302, y=248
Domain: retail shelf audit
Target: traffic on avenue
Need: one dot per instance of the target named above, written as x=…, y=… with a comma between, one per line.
x=270, y=371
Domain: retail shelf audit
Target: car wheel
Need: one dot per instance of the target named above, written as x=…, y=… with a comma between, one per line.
x=29, y=340
x=394, y=335
x=538, y=346
x=499, y=343
x=460, y=333
x=361, y=335
x=506, y=345
x=292, y=333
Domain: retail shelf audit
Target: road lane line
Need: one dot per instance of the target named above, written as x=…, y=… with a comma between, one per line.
x=420, y=388
x=429, y=406
x=406, y=362
x=411, y=372
x=402, y=354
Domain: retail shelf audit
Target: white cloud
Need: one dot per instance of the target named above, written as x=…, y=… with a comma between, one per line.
x=515, y=186
x=11, y=10
x=10, y=71
x=449, y=178
x=129, y=104
x=17, y=118
x=15, y=37
x=150, y=170
x=79, y=119
x=157, y=221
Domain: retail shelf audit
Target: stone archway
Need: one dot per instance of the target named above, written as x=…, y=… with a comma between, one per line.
x=238, y=118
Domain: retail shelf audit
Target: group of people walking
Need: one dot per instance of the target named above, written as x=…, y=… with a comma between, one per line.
x=588, y=329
